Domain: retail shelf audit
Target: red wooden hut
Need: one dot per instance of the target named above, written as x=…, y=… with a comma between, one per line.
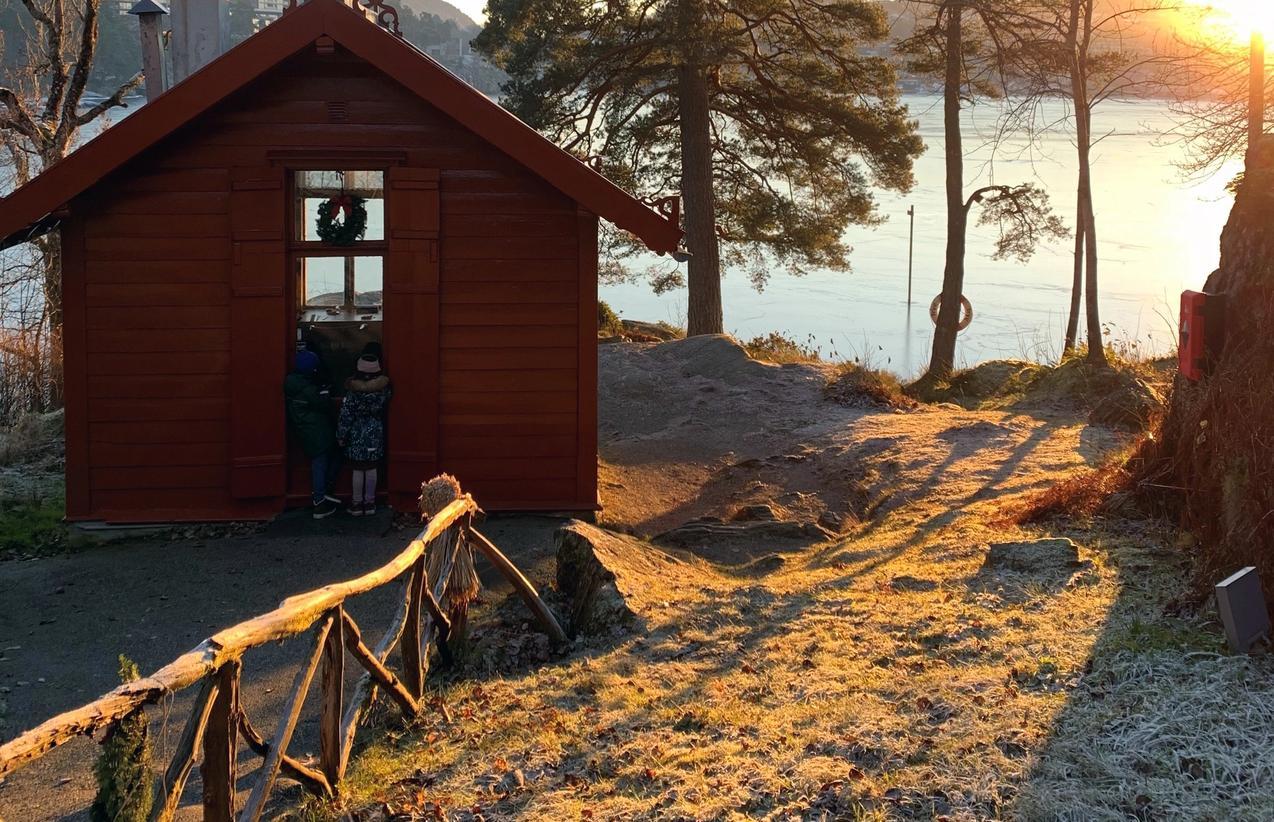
x=191, y=272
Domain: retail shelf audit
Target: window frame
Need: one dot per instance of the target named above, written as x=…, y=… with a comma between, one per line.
x=298, y=249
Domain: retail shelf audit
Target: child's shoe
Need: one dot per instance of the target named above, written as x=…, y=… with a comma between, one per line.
x=356, y=509
x=324, y=509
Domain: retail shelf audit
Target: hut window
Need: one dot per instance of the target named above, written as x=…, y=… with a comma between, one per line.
x=317, y=188
x=341, y=285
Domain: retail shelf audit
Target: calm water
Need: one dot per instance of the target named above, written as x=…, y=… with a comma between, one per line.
x=1157, y=234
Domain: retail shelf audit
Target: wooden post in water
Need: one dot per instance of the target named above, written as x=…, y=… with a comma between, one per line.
x=911, y=239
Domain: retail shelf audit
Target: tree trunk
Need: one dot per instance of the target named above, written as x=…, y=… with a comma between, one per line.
x=1210, y=460
x=1077, y=281
x=1255, y=92
x=1084, y=143
x=703, y=315
x=1096, y=345
x=51, y=261
x=942, y=361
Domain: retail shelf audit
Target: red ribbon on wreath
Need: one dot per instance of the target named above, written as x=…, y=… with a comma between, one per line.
x=341, y=204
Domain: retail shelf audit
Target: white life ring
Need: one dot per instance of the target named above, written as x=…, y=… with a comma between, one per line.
x=966, y=311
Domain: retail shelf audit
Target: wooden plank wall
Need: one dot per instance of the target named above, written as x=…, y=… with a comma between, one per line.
x=156, y=279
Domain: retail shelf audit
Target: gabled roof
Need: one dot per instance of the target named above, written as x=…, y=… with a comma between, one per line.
x=26, y=211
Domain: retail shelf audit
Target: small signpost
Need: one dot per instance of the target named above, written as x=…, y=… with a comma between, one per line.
x=1242, y=608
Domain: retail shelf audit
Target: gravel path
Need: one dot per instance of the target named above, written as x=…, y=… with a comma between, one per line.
x=64, y=621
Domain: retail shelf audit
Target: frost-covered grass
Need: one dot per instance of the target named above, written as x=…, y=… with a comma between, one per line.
x=1162, y=734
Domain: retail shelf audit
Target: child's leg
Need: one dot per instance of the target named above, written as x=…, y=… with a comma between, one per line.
x=333, y=471
x=318, y=477
x=369, y=487
x=358, y=486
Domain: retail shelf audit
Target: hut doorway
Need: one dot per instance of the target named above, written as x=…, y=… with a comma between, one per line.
x=337, y=250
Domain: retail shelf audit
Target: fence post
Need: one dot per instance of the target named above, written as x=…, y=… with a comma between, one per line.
x=220, y=744
x=333, y=699
x=410, y=649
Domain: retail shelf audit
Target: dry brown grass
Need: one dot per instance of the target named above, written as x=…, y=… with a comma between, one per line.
x=887, y=674
x=1081, y=495
x=781, y=349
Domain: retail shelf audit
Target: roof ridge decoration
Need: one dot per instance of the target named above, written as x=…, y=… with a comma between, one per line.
x=385, y=15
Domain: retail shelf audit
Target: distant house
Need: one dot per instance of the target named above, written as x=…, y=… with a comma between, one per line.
x=192, y=273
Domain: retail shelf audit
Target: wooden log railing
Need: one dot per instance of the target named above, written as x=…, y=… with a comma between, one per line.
x=217, y=721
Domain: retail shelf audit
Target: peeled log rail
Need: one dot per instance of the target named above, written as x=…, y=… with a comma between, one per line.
x=294, y=615
x=287, y=725
x=217, y=722
x=174, y=780
x=383, y=676
x=310, y=779
x=522, y=585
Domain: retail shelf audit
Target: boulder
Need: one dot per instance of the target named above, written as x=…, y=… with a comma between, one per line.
x=1038, y=557
x=651, y=331
x=718, y=357
x=611, y=580
x=699, y=535
x=755, y=513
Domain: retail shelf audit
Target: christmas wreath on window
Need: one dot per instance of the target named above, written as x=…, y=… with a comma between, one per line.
x=342, y=220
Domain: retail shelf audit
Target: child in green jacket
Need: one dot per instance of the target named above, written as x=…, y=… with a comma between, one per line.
x=310, y=419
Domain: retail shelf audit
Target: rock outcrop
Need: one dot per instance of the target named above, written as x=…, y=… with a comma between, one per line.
x=610, y=579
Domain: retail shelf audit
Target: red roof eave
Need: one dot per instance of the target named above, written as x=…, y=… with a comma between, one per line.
x=412, y=68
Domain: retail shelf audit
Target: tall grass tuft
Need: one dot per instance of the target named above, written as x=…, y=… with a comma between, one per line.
x=124, y=792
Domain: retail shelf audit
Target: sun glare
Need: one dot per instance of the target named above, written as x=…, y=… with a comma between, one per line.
x=1239, y=18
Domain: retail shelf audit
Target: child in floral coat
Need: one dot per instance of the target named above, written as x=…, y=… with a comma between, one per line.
x=361, y=427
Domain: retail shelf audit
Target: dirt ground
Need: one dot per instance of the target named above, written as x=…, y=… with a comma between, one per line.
x=878, y=666
x=696, y=428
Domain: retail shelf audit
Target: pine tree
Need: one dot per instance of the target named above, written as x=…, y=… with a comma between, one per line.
x=774, y=118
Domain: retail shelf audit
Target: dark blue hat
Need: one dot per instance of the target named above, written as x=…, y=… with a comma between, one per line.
x=307, y=362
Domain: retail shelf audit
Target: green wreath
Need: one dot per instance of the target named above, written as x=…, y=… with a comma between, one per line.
x=352, y=224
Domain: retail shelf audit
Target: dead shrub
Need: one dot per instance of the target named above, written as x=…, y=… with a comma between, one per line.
x=858, y=386
x=26, y=379
x=1082, y=495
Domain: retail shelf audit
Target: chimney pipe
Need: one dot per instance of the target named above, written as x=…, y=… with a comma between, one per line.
x=201, y=33
x=148, y=14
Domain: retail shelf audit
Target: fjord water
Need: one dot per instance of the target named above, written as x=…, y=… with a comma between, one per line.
x=1157, y=234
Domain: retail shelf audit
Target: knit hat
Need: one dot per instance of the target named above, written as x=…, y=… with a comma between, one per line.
x=307, y=362
x=368, y=364
x=372, y=349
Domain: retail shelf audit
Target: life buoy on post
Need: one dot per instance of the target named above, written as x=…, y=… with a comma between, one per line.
x=966, y=311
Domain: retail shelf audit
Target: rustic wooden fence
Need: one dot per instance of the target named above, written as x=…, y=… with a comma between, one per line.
x=217, y=720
